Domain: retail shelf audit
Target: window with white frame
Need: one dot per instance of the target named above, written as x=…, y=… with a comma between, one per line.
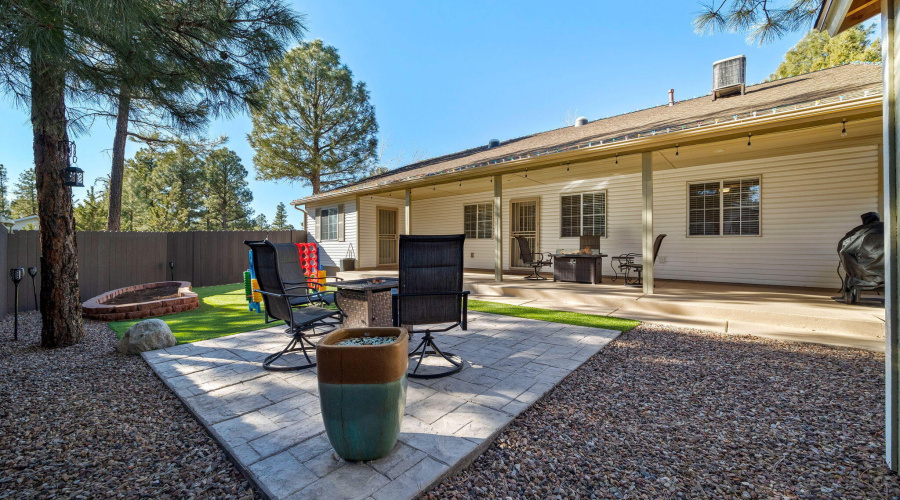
x=583, y=214
x=724, y=208
x=328, y=224
x=478, y=221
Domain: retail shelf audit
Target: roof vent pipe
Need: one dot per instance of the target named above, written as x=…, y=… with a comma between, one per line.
x=671, y=97
x=493, y=143
x=581, y=120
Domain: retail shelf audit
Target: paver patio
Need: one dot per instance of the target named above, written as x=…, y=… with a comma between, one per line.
x=270, y=422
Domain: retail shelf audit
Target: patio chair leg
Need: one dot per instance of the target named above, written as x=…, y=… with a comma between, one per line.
x=428, y=341
x=291, y=347
x=535, y=275
x=421, y=357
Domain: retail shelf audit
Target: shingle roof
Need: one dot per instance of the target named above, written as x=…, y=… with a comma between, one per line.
x=810, y=87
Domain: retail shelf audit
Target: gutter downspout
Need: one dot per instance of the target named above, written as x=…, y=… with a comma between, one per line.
x=305, y=215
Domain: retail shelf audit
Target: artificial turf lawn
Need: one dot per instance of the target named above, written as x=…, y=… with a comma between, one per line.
x=568, y=318
x=223, y=311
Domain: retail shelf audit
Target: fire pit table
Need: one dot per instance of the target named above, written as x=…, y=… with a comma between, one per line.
x=578, y=267
x=367, y=302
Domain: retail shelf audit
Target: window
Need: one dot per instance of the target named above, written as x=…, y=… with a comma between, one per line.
x=478, y=221
x=729, y=208
x=583, y=215
x=328, y=220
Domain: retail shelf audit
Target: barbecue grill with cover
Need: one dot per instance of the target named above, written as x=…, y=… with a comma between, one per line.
x=861, y=253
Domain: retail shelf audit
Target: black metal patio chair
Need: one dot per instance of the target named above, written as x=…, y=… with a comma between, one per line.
x=528, y=257
x=632, y=272
x=292, y=275
x=302, y=322
x=431, y=293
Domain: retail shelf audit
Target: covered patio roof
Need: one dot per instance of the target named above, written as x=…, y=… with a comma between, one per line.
x=827, y=96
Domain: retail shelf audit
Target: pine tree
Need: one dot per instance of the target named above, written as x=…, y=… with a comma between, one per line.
x=763, y=21
x=4, y=193
x=227, y=195
x=260, y=223
x=90, y=213
x=210, y=65
x=25, y=196
x=313, y=124
x=280, y=222
x=54, y=51
x=819, y=50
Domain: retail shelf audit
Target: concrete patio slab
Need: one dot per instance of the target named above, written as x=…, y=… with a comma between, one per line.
x=786, y=313
x=270, y=422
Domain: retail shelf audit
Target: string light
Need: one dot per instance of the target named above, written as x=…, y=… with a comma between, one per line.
x=749, y=134
x=526, y=173
x=844, y=127
x=617, y=158
x=676, y=150
x=567, y=167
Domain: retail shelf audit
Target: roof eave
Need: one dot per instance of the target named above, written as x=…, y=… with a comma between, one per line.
x=870, y=104
x=836, y=16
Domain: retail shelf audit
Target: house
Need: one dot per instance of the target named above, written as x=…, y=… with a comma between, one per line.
x=30, y=222
x=754, y=187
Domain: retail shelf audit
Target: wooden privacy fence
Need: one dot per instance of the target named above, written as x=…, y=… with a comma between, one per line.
x=110, y=260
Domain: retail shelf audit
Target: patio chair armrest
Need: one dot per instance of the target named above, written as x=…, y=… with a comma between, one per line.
x=314, y=289
x=273, y=294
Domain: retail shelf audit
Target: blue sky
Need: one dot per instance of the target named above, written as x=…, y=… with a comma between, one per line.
x=446, y=76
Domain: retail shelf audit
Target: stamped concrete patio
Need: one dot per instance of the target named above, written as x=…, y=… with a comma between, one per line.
x=270, y=423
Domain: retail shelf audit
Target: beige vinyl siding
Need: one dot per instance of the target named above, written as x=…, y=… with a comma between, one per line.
x=368, y=230
x=331, y=252
x=808, y=202
x=445, y=216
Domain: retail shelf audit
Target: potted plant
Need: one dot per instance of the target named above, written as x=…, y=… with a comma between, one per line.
x=362, y=389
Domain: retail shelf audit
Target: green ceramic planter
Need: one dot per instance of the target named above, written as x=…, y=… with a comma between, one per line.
x=362, y=390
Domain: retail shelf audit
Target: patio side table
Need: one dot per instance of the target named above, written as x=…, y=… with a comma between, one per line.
x=367, y=302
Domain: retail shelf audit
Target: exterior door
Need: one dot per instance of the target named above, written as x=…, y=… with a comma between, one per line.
x=387, y=237
x=523, y=221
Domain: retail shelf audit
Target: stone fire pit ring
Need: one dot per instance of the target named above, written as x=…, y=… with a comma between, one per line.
x=96, y=308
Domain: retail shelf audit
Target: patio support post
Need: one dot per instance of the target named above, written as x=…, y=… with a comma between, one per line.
x=407, y=217
x=647, y=220
x=890, y=11
x=498, y=227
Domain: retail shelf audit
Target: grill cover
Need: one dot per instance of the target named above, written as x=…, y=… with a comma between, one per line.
x=862, y=253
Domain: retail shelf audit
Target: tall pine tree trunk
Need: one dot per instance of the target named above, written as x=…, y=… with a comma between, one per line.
x=117, y=173
x=60, y=302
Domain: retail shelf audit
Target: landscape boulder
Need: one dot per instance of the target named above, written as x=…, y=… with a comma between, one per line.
x=148, y=335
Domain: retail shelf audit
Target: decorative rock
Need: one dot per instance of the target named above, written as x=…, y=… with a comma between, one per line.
x=147, y=335
x=367, y=341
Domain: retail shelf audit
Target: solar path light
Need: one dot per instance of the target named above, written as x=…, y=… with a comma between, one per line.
x=16, y=274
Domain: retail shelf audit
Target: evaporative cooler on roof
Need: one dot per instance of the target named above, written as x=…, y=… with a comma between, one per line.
x=729, y=77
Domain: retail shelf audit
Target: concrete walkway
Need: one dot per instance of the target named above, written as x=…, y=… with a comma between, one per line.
x=270, y=422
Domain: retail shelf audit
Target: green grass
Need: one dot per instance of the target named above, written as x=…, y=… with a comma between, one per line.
x=568, y=318
x=223, y=311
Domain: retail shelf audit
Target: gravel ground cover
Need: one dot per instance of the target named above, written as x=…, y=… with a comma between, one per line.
x=87, y=422
x=673, y=413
